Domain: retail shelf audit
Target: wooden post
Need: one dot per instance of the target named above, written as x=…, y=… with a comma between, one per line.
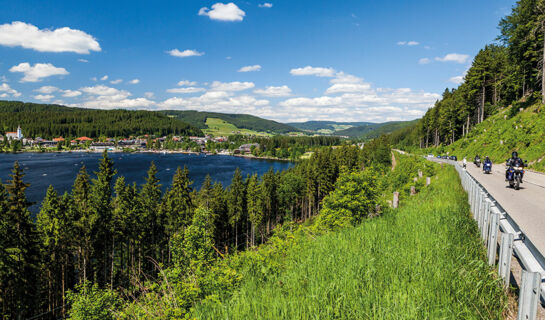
x=428, y=181
x=420, y=173
x=413, y=190
x=415, y=179
x=395, y=203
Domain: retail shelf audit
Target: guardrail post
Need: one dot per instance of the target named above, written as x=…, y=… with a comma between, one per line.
x=486, y=218
x=395, y=202
x=493, y=237
x=506, y=251
x=428, y=181
x=529, y=295
x=480, y=210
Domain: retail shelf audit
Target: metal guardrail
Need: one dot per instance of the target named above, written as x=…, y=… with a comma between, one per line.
x=491, y=218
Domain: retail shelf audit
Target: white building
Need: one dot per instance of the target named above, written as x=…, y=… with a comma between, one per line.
x=18, y=135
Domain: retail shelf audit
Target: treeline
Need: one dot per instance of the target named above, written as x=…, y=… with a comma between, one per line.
x=119, y=236
x=509, y=72
x=49, y=121
x=242, y=121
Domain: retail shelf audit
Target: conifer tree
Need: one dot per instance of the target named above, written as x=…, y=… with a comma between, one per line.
x=22, y=247
x=236, y=202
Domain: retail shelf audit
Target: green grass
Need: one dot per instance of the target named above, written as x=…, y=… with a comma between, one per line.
x=219, y=127
x=423, y=261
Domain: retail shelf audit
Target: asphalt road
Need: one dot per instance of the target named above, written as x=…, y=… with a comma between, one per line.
x=526, y=206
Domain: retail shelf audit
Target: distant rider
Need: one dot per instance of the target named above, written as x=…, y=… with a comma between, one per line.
x=487, y=161
x=464, y=162
x=514, y=161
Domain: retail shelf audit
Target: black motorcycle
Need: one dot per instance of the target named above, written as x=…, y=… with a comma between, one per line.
x=477, y=162
x=514, y=175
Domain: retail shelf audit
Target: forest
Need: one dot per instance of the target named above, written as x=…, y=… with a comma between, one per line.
x=108, y=242
x=50, y=121
x=507, y=72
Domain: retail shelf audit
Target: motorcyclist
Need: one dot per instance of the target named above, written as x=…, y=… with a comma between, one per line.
x=477, y=160
x=514, y=161
x=464, y=162
x=487, y=160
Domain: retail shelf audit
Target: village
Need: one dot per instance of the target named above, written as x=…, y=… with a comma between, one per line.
x=16, y=142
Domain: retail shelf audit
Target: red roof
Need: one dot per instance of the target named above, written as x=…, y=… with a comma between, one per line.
x=58, y=139
x=84, y=139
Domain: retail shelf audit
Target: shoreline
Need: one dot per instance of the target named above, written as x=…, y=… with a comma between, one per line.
x=248, y=156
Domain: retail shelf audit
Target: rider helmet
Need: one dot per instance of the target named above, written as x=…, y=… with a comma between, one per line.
x=514, y=154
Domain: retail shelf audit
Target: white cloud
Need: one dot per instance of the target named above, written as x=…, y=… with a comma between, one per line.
x=220, y=101
x=408, y=43
x=104, y=97
x=104, y=78
x=59, y=40
x=149, y=95
x=42, y=97
x=223, y=12
x=47, y=89
x=271, y=91
x=6, y=89
x=266, y=5
x=313, y=71
x=457, y=79
x=231, y=86
x=117, y=81
x=255, y=67
x=187, y=83
x=3, y=95
x=424, y=61
x=83, y=60
x=37, y=72
x=71, y=93
x=94, y=79
x=184, y=54
x=134, y=81
x=454, y=57
x=186, y=90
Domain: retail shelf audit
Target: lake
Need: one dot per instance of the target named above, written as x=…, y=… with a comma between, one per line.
x=60, y=169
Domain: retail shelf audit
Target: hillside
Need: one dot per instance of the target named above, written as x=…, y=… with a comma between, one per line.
x=374, y=130
x=241, y=121
x=325, y=127
x=50, y=121
x=502, y=133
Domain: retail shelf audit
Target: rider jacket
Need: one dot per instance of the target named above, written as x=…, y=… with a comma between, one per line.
x=515, y=162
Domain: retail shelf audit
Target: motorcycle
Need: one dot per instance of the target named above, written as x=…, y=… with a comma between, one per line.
x=514, y=176
x=477, y=162
x=487, y=167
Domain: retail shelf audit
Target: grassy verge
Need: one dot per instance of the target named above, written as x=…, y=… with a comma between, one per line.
x=423, y=261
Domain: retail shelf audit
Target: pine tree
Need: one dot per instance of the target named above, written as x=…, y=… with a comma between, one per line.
x=254, y=206
x=22, y=246
x=84, y=221
x=236, y=203
x=101, y=209
x=150, y=197
x=177, y=206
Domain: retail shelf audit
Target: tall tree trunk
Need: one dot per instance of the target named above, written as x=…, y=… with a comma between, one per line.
x=483, y=98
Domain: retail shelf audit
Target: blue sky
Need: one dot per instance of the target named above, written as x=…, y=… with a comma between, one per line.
x=282, y=60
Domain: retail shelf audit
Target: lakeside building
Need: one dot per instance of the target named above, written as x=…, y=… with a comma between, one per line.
x=246, y=148
x=15, y=135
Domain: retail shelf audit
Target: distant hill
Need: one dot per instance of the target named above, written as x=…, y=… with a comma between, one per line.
x=374, y=130
x=326, y=127
x=47, y=121
x=241, y=121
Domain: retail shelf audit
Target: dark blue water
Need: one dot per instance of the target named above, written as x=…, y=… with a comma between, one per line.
x=60, y=169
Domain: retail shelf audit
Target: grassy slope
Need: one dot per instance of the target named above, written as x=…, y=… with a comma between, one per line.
x=523, y=132
x=424, y=261
x=241, y=121
x=371, y=131
x=218, y=127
